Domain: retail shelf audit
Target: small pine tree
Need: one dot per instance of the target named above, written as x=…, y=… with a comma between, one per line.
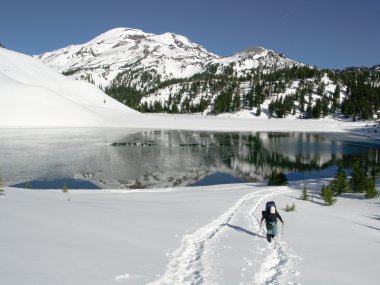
x=370, y=188
x=340, y=182
x=357, y=180
x=304, y=195
x=277, y=178
x=290, y=208
x=175, y=108
x=1, y=188
x=258, y=111
x=323, y=190
x=328, y=195
x=65, y=189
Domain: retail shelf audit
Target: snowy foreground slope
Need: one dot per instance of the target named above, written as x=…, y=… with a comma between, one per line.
x=31, y=94
x=202, y=235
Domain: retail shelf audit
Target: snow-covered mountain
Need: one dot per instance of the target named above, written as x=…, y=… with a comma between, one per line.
x=33, y=95
x=258, y=57
x=142, y=60
x=376, y=67
x=130, y=54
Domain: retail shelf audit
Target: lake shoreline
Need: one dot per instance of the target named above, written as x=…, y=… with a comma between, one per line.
x=146, y=159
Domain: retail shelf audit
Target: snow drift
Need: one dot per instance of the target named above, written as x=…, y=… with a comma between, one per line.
x=200, y=235
x=33, y=95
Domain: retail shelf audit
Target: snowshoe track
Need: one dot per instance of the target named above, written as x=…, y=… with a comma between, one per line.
x=276, y=263
x=185, y=264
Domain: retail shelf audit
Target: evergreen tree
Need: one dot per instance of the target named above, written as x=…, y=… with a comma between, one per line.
x=290, y=208
x=335, y=101
x=203, y=104
x=328, y=195
x=271, y=109
x=325, y=106
x=249, y=99
x=157, y=107
x=175, y=108
x=166, y=108
x=309, y=111
x=236, y=102
x=362, y=99
x=370, y=188
x=340, y=183
x=125, y=94
x=305, y=195
x=1, y=188
x=321, y=88
x=258, y=111
x=317, y=109
x=259, y=95
x=65, y=189
x=185, y=105
x=150, y=107
x=323, y=190
x=222, y=103
x=358, y=178
x=294, y=110
x=302, y=101
x=277, y=178
x=170, y=99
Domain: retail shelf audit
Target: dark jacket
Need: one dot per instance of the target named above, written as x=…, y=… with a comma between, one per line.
x=270, y=218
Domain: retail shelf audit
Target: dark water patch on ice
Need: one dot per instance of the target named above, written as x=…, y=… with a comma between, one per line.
x=57, y=183
x=317, y=174
x=218, y=178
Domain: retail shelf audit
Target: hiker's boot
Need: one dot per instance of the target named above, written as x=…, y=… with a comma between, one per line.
x=269, y=238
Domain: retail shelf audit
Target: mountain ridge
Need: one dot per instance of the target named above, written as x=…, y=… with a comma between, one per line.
x=127, y=52
x=169, y=73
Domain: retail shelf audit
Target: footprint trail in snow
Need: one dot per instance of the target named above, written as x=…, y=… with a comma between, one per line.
x=232, y=249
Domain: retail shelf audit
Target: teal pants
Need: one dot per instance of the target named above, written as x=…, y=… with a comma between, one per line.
x=271, y=228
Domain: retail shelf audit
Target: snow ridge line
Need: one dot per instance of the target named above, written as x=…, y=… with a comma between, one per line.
x=185, y=265
x=172, y=189
x=276, y=262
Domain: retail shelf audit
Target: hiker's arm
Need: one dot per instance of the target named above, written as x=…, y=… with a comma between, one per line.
x=262, y=219
x=278, y=216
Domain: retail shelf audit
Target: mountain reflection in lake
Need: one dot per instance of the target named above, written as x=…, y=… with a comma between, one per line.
x=119, y=158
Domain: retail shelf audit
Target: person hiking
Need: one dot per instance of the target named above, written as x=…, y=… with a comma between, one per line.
x=270, y=215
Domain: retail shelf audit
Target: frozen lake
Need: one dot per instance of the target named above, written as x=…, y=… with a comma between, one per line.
x=114, y=158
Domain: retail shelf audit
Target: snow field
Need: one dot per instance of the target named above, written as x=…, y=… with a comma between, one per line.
x=33, y=95
x=194, y=235
x=101, y=237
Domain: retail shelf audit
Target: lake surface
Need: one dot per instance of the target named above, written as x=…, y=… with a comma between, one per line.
x=125, y=158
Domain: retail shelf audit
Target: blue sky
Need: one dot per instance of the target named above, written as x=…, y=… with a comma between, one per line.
x=325, y=33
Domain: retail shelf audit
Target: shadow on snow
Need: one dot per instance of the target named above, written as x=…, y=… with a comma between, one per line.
x=240, y=229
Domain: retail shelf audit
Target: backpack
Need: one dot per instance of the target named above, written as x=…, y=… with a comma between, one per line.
x=266, y=214
x=270, y=204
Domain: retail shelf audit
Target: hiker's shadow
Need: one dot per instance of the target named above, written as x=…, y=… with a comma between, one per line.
x=240, y=229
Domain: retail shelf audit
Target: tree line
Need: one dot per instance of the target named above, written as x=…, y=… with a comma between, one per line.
x=221, y=92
